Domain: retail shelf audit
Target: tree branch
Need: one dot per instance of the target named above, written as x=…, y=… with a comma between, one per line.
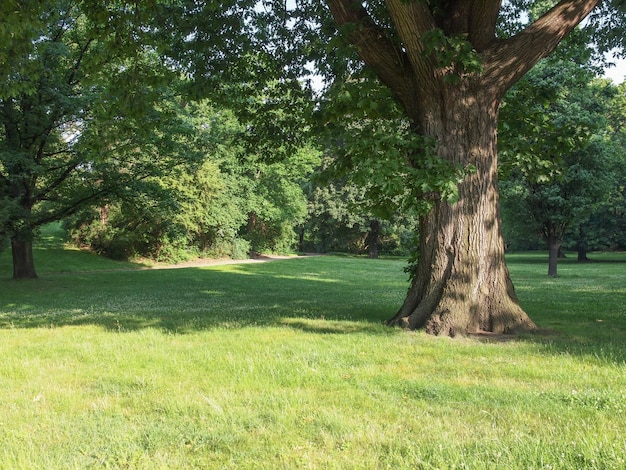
x=507, y=61
x=482, y=22
x=71, y=209
x=376, y=48
x=58, y=181
x=77, y=63
x=78, y=204
x=412, y=20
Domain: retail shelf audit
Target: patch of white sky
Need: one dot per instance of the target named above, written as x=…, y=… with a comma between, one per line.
x=617, y=72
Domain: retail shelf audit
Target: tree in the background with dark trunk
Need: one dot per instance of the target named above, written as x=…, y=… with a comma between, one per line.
x=80, y=118
x=373, y=239
x=556, y=152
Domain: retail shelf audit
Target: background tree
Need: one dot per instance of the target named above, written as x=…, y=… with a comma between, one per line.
x=601, y=225
x=277, y=203
x=196, y=207
x=606, y=227
x=225, y=203
x=78, y=122
x=613, y=210
x=336, y=221
x=554, y=151
x=341, y=218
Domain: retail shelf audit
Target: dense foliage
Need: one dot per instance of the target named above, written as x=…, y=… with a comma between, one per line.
x=86, y=113
x=561, y=150
x=341, y=219
x=227, y=203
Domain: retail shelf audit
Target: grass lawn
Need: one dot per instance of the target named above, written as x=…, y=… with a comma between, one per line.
x=287, y=365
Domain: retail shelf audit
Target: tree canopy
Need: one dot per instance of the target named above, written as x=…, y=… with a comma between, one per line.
x=555, y=148
x=81, y=118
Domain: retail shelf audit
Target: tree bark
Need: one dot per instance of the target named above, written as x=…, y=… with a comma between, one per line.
x=301, y=233
x=582, y=255
x=23, y=260
x=552, y=233
x=553, y=256
x=462, y=284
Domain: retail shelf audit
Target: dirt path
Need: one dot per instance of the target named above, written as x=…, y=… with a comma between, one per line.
x=216, y=262
x=197, y=263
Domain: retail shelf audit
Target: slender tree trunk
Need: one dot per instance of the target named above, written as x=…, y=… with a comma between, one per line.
x=23, y=260
x=373, y=238
x=582, y=254
x=554, y=241
x=553, y=257
x=104, y=214
x=301, y=233
x=462, y=284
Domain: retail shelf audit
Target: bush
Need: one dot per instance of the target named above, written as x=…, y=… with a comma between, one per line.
x=240, y=249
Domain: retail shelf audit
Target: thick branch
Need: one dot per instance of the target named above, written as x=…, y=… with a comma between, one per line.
x=58, y=181
x=73, y=208
x=412, y=20
x=482, y=22
x=94, y=196
x=509, y=60
x=75, y=68
x=376, y=48
x=477, y=19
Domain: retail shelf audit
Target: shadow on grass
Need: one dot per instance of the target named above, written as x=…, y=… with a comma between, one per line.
x=53, y=257
x=584, y=310
x=594, y=348
x=541, y=258
x=313, y=294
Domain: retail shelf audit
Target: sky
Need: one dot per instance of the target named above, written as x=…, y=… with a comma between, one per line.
x=617, y=72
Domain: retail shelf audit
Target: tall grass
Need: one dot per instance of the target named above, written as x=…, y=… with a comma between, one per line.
x=288, y=365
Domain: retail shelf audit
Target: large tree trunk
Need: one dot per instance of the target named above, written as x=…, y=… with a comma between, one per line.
x=462, y=284
x=23, y=260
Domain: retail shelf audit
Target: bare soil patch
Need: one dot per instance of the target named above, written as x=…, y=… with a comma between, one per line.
x=200, y=262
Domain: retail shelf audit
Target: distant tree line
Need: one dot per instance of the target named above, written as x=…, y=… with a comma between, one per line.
x=231, y=203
